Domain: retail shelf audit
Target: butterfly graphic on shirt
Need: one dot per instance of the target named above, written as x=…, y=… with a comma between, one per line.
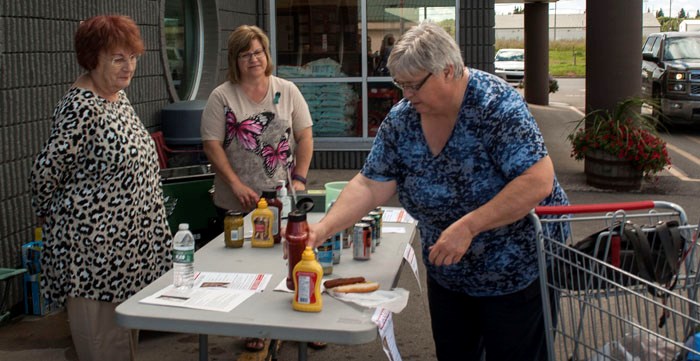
x=274, y=157
x=247, y=131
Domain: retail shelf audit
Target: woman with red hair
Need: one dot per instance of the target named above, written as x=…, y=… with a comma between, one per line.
x=96, y=191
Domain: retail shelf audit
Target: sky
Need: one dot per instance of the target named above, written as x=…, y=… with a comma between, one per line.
x=579, y=6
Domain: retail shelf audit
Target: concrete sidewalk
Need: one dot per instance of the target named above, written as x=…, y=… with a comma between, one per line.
x=31, y=338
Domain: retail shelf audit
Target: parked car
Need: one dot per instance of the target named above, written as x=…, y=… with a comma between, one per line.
x=671, y=76
x=510, y=65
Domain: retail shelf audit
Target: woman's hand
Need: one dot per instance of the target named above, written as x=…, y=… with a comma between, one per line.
x=298, y=186
x=317, y=235
x=452, y=244
x=246, y=195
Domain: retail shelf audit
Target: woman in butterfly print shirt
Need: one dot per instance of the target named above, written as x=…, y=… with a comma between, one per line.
x=255, y=126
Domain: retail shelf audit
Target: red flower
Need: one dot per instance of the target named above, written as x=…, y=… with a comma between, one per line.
x=625, y=134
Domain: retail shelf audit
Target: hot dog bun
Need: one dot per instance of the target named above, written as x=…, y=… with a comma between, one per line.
x=363, y=287
x=343, y=281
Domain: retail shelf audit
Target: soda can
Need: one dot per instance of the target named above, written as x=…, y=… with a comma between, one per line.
x=378, y=224
x=373, y=226
x=325, y=256
x=337, y=246
x=347, y=237
x=362, y=241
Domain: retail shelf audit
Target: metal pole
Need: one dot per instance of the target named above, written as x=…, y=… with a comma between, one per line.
x=555, y=21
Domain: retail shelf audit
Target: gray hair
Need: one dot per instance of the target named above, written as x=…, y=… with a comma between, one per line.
x=425, y=47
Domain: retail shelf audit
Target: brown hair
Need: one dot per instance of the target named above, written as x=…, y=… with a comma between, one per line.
x=103, y=33
x=238, y=42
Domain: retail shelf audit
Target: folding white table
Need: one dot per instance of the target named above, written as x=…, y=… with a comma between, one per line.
x=269, y=314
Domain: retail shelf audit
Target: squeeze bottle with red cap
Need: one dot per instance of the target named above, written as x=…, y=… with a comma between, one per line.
x=307, y=281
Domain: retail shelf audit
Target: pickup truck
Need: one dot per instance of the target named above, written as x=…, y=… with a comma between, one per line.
x=671, y=76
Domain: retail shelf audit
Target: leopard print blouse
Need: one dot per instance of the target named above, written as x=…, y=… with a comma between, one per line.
x=97, y=183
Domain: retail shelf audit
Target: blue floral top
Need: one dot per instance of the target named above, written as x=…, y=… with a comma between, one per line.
x=494, y=141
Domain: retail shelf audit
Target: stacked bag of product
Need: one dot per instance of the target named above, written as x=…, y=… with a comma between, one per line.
x=332, y=105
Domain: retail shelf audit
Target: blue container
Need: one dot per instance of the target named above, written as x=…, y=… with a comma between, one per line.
x=34, y=302
x=696, y=347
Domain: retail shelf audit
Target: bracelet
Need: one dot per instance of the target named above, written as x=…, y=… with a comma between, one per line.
x=299, y=178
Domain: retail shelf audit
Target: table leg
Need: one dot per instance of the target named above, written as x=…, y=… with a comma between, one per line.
x=203, y=348
x=302, y=351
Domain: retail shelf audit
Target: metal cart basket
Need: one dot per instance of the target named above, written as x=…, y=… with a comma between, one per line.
x=595, y=310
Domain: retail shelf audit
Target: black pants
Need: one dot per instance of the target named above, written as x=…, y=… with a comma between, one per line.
x=509, y=327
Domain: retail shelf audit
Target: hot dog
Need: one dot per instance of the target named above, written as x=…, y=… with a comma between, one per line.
x=363, y=287
x=342, y=281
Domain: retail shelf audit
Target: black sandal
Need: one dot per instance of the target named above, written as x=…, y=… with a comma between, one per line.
x=254, y=344
x=317, y=345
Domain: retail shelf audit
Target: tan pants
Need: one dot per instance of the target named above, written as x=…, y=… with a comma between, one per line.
x=96, y=335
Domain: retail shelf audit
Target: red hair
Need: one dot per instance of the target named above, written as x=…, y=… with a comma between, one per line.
x=104, y=33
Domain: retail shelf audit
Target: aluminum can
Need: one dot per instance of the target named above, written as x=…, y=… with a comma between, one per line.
x=337, y=246
x=373, y=226
x=377, y=225
x=325, y=256
x=347, y=237
x=362, y=241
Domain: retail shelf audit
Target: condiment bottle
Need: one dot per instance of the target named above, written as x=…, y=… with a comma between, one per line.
x=297, y=235
x=262, y=226
x=284, y=198
x=275, y=206
x=307, y=283
x=233, y=229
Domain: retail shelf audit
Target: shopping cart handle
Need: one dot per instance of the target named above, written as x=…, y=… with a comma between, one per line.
x=595, y=208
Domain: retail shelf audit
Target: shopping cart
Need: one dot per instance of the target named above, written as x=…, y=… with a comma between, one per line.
x=612, y=314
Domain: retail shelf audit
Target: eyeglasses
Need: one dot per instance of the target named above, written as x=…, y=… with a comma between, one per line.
x=258, y=54
x=414, y=88
x=120, y=61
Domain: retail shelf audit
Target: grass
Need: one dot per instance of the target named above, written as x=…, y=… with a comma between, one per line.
x=566, y=58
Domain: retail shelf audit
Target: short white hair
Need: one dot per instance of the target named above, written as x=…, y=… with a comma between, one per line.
x=425, y=47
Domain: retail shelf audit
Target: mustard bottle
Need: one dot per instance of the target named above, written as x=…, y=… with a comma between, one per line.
x=262, y=218
x=307, y=283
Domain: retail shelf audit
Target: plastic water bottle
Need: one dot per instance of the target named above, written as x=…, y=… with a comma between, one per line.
x=183, y=257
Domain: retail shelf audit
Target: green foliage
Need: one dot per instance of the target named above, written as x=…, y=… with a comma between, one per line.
x=623, y=132
x=448, y=25
x=669, y=24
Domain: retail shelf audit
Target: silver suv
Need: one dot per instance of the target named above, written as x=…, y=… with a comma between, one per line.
x=671, y=75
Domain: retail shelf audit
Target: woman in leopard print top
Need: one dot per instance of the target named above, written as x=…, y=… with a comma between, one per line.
x=96, y=190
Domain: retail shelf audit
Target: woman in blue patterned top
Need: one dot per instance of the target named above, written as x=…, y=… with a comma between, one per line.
x=468, y=162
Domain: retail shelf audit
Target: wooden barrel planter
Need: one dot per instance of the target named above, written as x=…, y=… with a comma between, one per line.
x=606, y=171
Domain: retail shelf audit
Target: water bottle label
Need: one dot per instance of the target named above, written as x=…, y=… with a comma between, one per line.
x=183, y=256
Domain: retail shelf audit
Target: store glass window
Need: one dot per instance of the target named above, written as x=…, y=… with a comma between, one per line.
x=182, y=31
x=327, y=39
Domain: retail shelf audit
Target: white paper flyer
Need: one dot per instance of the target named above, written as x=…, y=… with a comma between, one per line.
x=384, y=321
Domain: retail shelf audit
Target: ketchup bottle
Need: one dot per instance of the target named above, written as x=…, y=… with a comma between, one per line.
x=297, y=235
